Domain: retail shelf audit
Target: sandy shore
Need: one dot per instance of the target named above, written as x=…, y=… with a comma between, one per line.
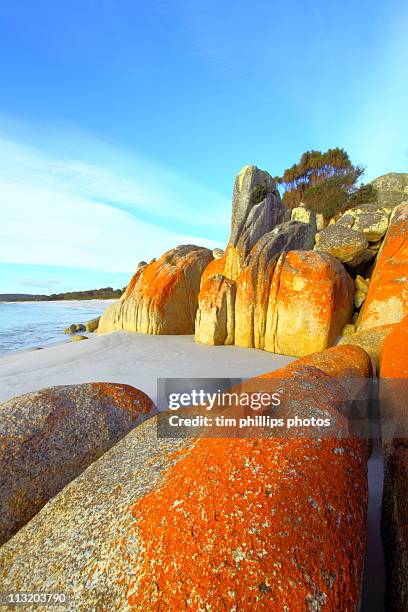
x=134, y=359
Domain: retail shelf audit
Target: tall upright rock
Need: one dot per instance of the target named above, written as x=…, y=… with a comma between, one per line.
x=256, y=209
x=162, y=297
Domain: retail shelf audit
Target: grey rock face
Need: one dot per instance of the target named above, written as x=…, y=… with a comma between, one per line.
x=343, y=243
x=49, y=437
x=288, y=236
x=218, y=253
x=392, y=188
x=256, y=208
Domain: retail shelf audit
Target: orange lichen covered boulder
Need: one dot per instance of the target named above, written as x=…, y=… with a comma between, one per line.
x=50, y=436
x=295, y=307
x=162, y=297
x=255, y=284
x=212, y=524
x=313, y=302
x=387, y=297
x=394, y=413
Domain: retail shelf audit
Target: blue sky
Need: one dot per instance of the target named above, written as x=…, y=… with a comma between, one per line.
x=123, y=124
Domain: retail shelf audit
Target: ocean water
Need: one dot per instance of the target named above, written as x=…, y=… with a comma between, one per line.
x=25, y=325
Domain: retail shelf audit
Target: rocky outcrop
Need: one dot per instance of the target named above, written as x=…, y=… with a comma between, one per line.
x=162, y=297
x=241, y=298
x=392, y=189
x=387, y=296
x=247, y=524
x=238, y=314
x=49, y=437
x=394, y=388
x=74, y=328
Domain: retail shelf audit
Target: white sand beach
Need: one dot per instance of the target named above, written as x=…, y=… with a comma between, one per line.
x=130, y=358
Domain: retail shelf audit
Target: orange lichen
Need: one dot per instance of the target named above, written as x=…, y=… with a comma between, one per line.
x=124, y=397
x=215, y=267
x=256, y=524
x=394, y=352
x=387, y=297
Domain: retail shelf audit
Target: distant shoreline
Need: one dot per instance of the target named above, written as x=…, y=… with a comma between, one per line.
x=106, y=293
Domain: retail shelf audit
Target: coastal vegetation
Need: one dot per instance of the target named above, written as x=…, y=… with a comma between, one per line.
x=326, y=183
x=106, y=293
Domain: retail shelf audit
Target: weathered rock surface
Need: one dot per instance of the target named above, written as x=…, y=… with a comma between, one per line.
x=218, y=253
x=304, y=215
x=387, y=296
x=369, y=339
x=78, y=338
x=162, y=297
x=92, y=325
x=254, y=285
x=220, y=317
x=49, y=437
x=215, y=319
x=344, y=243
x=371, y=220
x=392, y=188
x=249, y=524
x=310, y=302
x=394, y=383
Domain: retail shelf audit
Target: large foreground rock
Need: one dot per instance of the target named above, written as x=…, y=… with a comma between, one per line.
x=162, y=297
x=387, y=297
x=49, y=437
x=394, y=409
x=248, y=524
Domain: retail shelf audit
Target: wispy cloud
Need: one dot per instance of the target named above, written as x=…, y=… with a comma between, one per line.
x=104, y=208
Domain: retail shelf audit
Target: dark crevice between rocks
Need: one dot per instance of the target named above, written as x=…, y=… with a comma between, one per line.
x=374, y=585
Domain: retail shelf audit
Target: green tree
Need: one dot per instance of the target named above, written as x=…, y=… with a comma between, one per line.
x=325, y=182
